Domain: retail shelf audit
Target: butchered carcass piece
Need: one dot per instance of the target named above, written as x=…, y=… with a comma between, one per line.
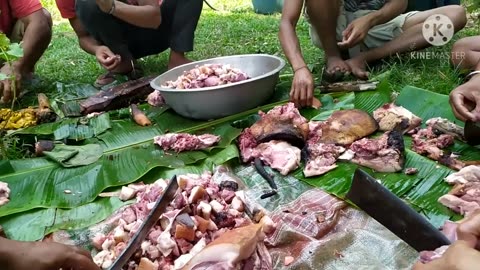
x=391, y=116
x=384, y=154
x=4, y=193
x=465, y=175
x=180, y=142
x=321, y=158
x=283, y=123
x=231, y=247
x=458, y=205
x=344, y=127
x=280, y=155
x=429, y=142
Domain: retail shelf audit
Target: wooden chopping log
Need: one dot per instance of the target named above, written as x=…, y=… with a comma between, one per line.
x=119, y=96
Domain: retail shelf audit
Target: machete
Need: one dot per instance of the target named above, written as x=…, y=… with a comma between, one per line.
x=393, y=213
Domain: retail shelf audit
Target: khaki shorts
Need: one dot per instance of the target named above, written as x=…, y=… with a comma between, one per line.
x=377, y=36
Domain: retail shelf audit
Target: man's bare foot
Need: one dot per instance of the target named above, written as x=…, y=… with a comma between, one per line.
x=177, y=59
x=358, y=67
x=336, y=64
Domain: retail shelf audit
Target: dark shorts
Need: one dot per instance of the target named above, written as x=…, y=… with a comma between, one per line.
x=177, y=30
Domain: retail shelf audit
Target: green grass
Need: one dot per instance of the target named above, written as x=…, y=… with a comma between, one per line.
x=235, y=29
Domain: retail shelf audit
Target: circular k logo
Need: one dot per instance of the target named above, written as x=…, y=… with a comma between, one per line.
x=438, y=30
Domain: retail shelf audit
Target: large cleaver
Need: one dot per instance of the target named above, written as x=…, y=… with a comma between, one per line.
x=394, y=214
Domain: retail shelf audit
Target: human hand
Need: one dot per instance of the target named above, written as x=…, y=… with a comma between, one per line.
x=459, y=256
x=469, y=230
x=107, y=58
x=105, y=5
x=355, y=32
x=465, y=100
x=47, y=256
x=302, y=88
x=6, y=86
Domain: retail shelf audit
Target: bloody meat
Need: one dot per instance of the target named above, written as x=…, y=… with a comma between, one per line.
x=179, y=142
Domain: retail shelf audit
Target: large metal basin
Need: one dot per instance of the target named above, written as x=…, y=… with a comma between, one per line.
x=220, y=101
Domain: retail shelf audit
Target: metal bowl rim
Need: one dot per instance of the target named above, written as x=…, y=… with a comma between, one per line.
x=270, y=73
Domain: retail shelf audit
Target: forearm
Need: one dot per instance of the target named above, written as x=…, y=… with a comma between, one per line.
x=388, y=12
x=142, y=16
x=291, y=45
x=89, y=44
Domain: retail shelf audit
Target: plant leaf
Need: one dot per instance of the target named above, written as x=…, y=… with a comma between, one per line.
x=15, y=51
x=3, y=77
x=75, y=155
x=34, y=225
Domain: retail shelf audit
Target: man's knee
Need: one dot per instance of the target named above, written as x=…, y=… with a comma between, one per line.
x=47, y=18
x=88, y=11
x=459, y=51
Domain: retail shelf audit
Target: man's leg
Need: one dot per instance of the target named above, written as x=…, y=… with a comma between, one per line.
x=466, y=53
x=108, y=30
x=323, y=15
x=35, y=37
x=411, y=38
x=183, y=26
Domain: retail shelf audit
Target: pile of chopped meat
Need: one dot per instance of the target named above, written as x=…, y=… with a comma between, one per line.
x=385, y=154
x=430, y=142
x=208, y=75
x=201, y=213
x=155, y=99
x=464, y=198
x=4, y=193
x=179, y=142
x=391, y=116
x=276, y=138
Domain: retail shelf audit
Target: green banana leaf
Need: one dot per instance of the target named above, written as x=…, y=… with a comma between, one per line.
x=75, y=155
x=5, y=167
x=34, y=224
x=76, y=129
x=115, y=168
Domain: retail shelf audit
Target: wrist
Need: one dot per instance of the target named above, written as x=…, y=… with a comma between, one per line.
x=373, y=19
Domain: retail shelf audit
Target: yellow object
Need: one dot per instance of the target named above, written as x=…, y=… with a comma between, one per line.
x=17, y=119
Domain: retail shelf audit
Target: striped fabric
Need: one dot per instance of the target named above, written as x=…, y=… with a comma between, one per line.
x=355, y=5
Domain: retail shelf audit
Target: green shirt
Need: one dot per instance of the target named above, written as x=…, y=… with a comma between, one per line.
x=355, y=5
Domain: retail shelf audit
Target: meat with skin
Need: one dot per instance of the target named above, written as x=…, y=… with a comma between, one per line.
x=231, y=247
x=345, y=126
x=281, y=123
x=321, y=158
x=280, y=156
x=180, y=142
x=391, y=116
x=207, y=75
x=276, y=138
x=465, y=175
x=4, y=193
x=384, y=154
x=458, y=205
